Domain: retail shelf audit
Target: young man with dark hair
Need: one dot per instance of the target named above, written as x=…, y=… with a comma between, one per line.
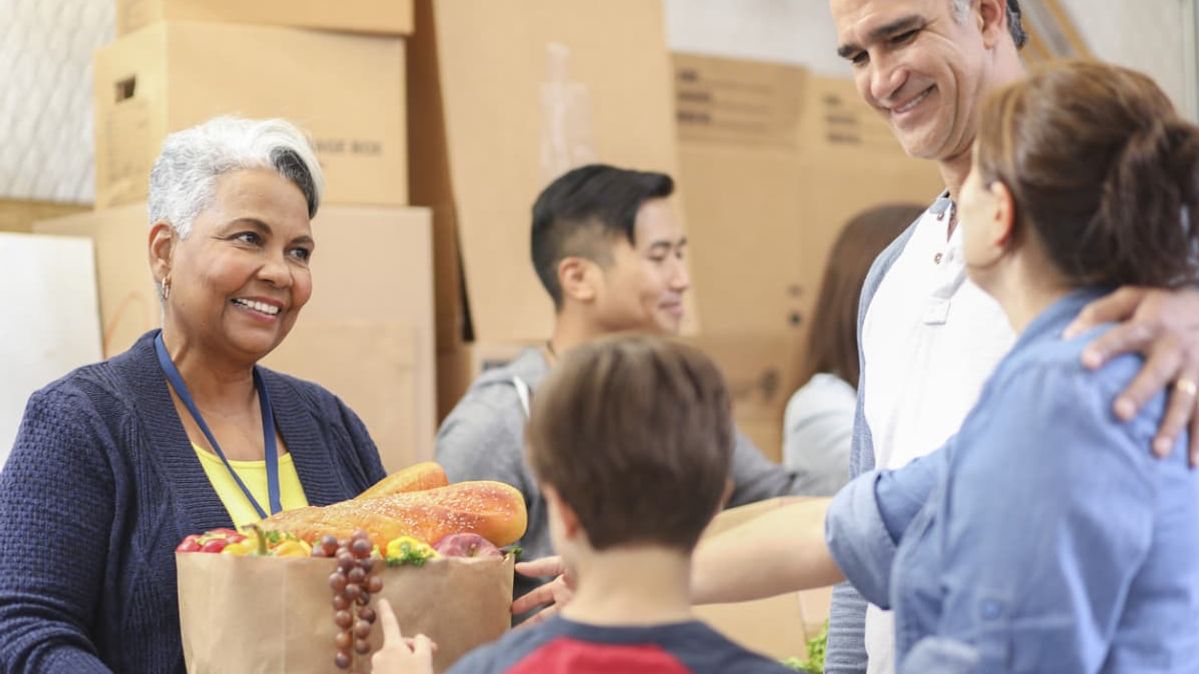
x=630, y=440
x=609, y=250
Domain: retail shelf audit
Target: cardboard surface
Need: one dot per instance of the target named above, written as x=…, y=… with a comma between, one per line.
x=366, y=333
x=50, y=324
x=346, y=91
x=127, y=296
x=775, y=160
x=778, y=626
x=505, y=97
x=372, y=366
x=18, y=215
x=760, y=370
x=459, y=367
x=392, y=17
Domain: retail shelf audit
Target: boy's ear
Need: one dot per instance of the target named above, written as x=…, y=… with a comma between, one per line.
x=579, y=279
x=570, y=520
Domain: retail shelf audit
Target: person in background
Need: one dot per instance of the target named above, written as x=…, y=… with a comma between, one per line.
x=118, y=461
x=610, y=252
x=818, y=422
x=630, y=439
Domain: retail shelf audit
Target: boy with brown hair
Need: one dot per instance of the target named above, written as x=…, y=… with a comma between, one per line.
x=631, y=441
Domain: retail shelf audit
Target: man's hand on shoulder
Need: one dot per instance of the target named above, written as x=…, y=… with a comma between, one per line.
x=1163, y=326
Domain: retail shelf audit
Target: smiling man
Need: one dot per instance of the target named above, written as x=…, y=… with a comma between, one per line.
x=609, y=252
x=928, y=336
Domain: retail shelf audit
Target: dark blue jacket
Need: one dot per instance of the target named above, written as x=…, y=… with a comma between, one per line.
x=102, y=484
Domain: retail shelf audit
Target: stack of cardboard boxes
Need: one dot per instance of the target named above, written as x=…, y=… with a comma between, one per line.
x=774, y=160
x=337, y=70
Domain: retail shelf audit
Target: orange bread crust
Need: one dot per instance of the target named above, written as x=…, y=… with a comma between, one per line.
x=417, y=477
x=493, y=510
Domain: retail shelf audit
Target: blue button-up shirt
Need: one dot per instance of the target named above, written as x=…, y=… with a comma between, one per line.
x=1043, y=537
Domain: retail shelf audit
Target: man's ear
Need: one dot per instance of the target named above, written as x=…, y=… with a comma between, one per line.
x=162, y=248
x=579, y=279
x=570, y=520
x=991, y=16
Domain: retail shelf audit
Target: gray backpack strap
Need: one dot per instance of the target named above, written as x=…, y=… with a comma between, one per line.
x=522, y=392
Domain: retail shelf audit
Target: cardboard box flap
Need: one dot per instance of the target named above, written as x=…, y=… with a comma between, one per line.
x=393, y=17
x=380, y=389
x=835, y=119
x=345, y=90
x=722, y=101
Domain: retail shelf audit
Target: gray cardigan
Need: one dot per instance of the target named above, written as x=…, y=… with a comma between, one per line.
x=846, y=650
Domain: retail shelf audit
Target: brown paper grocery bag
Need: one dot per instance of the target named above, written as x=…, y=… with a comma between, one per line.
x=275, y=614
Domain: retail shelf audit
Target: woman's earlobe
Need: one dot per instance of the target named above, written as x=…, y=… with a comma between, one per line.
x=161, y=245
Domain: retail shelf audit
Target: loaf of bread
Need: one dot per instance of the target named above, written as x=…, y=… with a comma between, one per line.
x=493, y=510
x=417, y=477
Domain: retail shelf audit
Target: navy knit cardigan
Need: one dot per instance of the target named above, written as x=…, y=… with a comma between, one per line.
x=102, y=484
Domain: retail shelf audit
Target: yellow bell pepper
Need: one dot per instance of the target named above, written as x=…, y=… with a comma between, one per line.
x=241, y=549
x=408, y=550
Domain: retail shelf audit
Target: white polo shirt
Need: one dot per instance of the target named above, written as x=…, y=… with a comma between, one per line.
x=929, y=341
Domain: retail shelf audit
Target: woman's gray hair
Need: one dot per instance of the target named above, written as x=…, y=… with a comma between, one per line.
x=1015, y=21
x=183, y=180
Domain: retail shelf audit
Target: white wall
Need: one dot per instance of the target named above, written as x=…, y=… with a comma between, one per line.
x=45, y=96
x=1148, y=35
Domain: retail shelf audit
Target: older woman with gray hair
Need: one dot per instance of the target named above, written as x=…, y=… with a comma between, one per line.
x=117, y=462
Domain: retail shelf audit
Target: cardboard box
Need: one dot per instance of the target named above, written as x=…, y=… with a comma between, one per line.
x=760, y=370
x=18, y=215
x=347, y=91
x=366, y=334
x=458, y=368
x=775, y=160
x=391, y=17
x=503, y=98
x=778, y=626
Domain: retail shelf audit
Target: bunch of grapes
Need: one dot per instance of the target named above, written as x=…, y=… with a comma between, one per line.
x=352, y=584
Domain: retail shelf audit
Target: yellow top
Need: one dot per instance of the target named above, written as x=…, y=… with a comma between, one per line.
x=253, y=474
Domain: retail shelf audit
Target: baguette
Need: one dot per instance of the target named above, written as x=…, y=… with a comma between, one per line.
x=493, y=510
x=417, y=477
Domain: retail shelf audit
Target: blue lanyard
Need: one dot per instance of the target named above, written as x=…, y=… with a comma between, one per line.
x=268, y=430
